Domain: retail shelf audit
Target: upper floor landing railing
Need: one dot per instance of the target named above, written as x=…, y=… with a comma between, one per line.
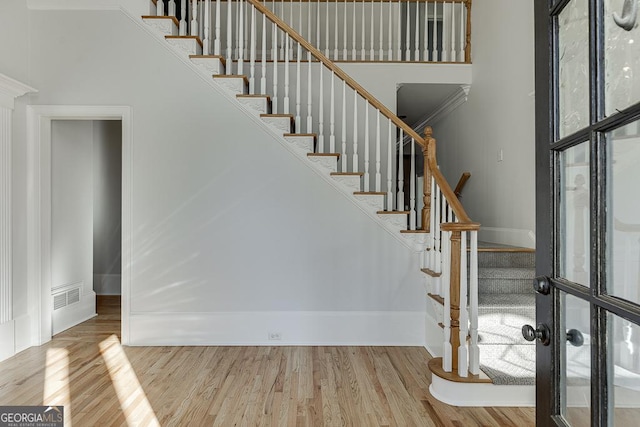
x=379, y=30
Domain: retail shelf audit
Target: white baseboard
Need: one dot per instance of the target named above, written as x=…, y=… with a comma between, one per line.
x=74, y=314
x=107, y=284
x=508, y=236
x=24, y=334
x=295, y=328
x=7, y=340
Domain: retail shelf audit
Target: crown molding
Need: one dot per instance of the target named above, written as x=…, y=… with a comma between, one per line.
x=10, y=89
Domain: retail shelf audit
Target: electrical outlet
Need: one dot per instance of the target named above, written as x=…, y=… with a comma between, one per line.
x=275, y=336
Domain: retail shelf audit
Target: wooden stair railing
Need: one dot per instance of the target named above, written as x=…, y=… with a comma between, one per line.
x=461, y=183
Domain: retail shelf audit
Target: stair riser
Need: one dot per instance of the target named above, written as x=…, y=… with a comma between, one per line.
x=209, y=66
x=280, y=123
x=187, y=46
x=302, y=144
x=235, y=85
x=349, y=183
x=507, y=259
x=324, y=163
x=399, y=222
x=502, y=286
x=256, y=105
x=165, y=27
x=373, y=202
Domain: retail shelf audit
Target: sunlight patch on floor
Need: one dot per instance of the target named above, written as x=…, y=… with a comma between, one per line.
x=56, y=382
x=133, y=400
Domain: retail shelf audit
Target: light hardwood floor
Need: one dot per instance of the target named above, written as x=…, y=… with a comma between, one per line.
x=103, y=383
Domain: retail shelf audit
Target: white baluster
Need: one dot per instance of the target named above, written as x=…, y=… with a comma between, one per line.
x=390, y=33
x=432, y=244
x=390, y=146
x=353, y=30
x=309, y=96
x=286, y=75
x=463, y=351
x=172, y=8
x=216, y=43
x=332, y=115
x=263, y=75
x=194, y=18
x=343, y=157
x=318, y=26
x=183, y=18
x=366, y=145
x=378, y=160
x=445, y=52
x=399, y=35
x=241, y=38
x=252, y=52
x=453, y=33
x=335, y=33
x=160, y=8
x=364, y=24
x=355, y=130
x=434, y=58
x=206, y=49
x=274, y=42
x=425, y=53
x=437, y=234
x=282, y=34
x=447, y=353
x=229, y=39
x=407, y=52
x=462, y=33
x=346, y=28
x=321, y=110
x=416, y=55
x=474, y=351
x=309, y=30
x=326, y=30
x=400, y=197
x=201, y=5
x=372, y=52
x=412, y=187
x=298, y=82
x=381, y=32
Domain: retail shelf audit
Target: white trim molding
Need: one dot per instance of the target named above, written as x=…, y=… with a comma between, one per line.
x=390, y=328
x=136, y=7
x=10, y=89
x=39, y=119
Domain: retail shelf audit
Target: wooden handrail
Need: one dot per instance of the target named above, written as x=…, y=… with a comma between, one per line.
x=337, y=70
x=461, y=183
x=467, y=46
x=446, y=190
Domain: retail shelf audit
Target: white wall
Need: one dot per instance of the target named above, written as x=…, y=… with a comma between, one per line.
x=107, y=206
x=499, y=116
x=232, y=236
x=72, y=219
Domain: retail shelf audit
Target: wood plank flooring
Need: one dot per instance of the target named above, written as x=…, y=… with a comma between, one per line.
x=102, y=383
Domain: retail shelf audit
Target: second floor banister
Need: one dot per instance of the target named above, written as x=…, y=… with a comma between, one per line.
x=373, y=30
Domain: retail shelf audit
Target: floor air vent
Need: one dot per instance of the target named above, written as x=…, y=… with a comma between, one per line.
x=66, y=296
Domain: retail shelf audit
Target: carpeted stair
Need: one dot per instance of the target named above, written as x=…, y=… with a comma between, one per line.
x=506, y=301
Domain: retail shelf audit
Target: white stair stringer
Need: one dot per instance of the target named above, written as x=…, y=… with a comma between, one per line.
x=259, y=104
x=210, y=65
x=349, y=182
x=303, y=143
x=276, y=134
x=324, y=162
x=163, y=25
x=185, y=44
x=373, y=201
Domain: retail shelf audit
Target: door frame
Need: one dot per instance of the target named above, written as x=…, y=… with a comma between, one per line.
x=39, y=119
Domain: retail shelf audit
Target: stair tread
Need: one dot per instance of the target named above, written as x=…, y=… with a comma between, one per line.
x=289, y=116
x=506, y=273
x=393, y=212
x=196, y=38
x=435, y=366
x=436, y=298
x=300, y=134
x=369, y=193
x=219, y=57
x=243, y=95
x=172, y=18
x=346, y=174
x=430, y=272
x=414, y=232
x=507, y=300
x=323, y=154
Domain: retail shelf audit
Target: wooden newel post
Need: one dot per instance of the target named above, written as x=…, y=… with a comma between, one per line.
x=454, y=292
x=428, y=150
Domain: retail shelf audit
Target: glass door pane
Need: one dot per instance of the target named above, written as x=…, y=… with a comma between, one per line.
x=622, y=55
x=575, y=361
x=624, y=221
x=573, y=67
x=624, y=369
x=574, y=214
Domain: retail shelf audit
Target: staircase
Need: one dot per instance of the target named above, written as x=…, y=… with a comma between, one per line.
x=482, y=295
